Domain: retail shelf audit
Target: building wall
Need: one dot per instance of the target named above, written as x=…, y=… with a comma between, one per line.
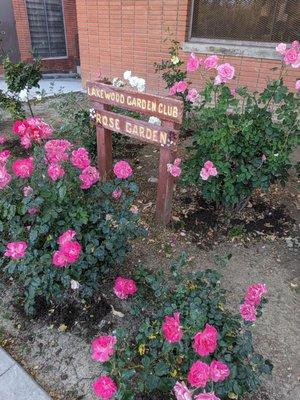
x=49, y=65
x=119, y=35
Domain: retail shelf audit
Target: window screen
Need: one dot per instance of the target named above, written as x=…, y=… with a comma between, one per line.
x=248, y=20
x=46, y=24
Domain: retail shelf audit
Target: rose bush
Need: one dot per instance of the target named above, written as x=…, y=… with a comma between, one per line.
x=60, y=227
x=246, y=138
x=188, y=344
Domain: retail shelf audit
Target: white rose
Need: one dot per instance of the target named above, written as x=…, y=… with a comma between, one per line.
x=134, y=81
x=74, y=284
x=23, y=95
x=38, y=97
x=141, y=85
x=117, y=82
x=154, y=120
x=127, y=75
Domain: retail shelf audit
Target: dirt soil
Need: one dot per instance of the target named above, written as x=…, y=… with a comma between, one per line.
x=263, y=240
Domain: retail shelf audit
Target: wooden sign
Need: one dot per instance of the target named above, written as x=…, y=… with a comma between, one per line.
x=169, y=110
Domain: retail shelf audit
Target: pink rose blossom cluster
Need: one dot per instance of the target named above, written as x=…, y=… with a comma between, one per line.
x=23, y=167
x=193, y=63
x=31, y=130
x=199, y=375
x=103, y=348
x=16, y=250
x=291, y=55
x=178, y=87
x=174, y=169
x=208, y=170
x=69, y=250
x=122, y=170
x=5, y=177
x=251, y=301
x=124, y=288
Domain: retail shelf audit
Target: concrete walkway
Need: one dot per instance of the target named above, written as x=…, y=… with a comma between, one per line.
x=52, y=85
x=15, y=383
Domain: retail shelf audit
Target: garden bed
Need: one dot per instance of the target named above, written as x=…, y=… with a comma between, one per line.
x=54, y=346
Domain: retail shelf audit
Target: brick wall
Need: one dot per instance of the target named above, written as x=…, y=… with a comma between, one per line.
x=118, y=35
x=67, y=64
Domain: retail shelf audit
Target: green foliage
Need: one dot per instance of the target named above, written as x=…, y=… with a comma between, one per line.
x=144, y=362
x=103, y=225
x=248, y=136
x=22, y=75
x=11, y=105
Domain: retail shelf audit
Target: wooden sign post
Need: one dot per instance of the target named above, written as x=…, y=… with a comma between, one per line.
x=168, y=110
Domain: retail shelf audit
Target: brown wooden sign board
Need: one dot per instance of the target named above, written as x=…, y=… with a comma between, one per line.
x=169, y=110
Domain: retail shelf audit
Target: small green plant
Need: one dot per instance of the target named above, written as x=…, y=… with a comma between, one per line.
x=21, y=77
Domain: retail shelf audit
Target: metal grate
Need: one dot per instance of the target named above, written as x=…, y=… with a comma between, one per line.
x=248, y=20
x=46, y=24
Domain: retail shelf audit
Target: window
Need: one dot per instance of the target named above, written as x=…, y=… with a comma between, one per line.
x=47, y=30
x=246, y=20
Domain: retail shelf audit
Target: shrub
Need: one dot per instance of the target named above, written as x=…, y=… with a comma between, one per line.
x=51, y=193
x=246, y=137
x=186, y=335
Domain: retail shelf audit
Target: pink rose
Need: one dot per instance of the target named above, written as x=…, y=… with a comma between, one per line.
x=174, y=169
x=182, y=392
x=295, y=44
x=263, y=158
x=205, y=342
x=23, y=167
x=254, y=293
x=206, y=396
x=104, y=387
x=80, y=158
x=122, y=170
x=2, y=139
x=193, y=63
x=218, y=371
x=248, y=312
x=59, y=259
x=225, y=72
x=16, y=250
x=124, y=287
x=103, y=348
x=204, y=174
x=198, y=375
x=192, y=95
x=171, y=328
x=71, y=250
x=19, y=127
x=173, y=89
x=27, y=190
x=211, y=62
x=134, y=209
x=292, y=56
x=55, y=171
x=297, y=85
x=4, y=156
x=281, y=48
x=181, y=86
x=56, y=150
x=66, y=237
x=208, y=170
x=117, y=193
x=33, y=211
x=89, y=176
x=5, y=177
